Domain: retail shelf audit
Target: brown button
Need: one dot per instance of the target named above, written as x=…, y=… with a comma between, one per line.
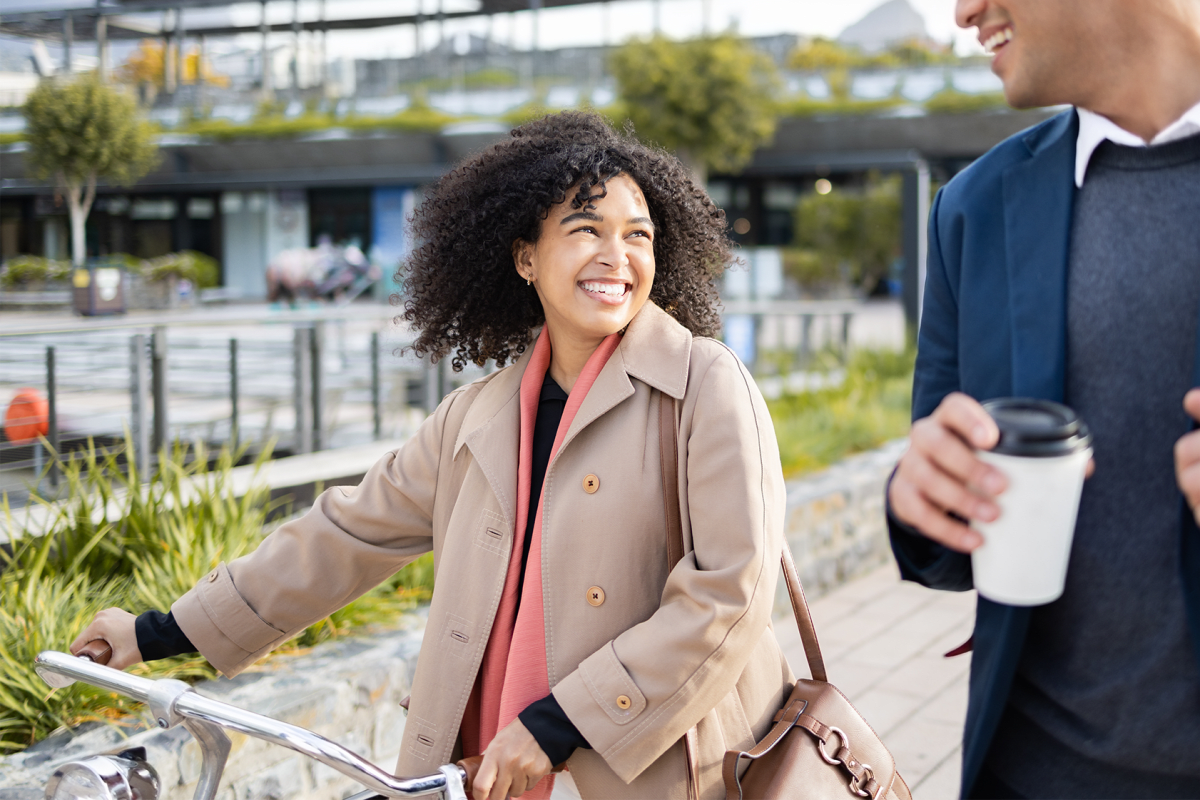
x=595, y=596
x=212, y=577
x=623, y=702
x=590, y=484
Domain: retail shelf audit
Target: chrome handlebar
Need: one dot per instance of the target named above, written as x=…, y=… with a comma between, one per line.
x=175, y=703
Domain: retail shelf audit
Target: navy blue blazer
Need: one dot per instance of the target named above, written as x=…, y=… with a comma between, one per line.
x=994, y=325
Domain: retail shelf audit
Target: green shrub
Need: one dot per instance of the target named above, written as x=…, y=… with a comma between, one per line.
x=198, y=268
x=117, y=541
x=416, y=118
x=871, y=406
x=952, y=101
x=24, y=270
x=809, y=107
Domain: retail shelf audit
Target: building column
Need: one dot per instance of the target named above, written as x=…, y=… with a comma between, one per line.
x=68, y=41
x=915, y=200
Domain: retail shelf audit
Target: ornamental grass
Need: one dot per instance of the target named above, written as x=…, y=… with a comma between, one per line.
x=120, y=541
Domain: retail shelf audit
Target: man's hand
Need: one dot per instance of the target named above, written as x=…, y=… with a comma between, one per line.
x=115, y=627
x=1187, y=456
x=512, y=764
x=941, y=474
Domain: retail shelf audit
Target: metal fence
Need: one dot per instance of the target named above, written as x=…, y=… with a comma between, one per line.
x=299, y=381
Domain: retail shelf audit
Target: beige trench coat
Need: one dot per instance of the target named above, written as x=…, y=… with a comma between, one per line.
x=692, y=647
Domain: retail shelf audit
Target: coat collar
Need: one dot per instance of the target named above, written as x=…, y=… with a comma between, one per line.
x=655, y=350
x=1039, y=197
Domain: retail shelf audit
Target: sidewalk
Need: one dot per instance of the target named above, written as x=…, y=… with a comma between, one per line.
x=883, y=642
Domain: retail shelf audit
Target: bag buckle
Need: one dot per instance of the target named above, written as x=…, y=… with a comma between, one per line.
x=833, y=761
x=857, y=782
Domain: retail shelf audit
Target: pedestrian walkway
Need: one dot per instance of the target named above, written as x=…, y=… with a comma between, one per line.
x=883, y=642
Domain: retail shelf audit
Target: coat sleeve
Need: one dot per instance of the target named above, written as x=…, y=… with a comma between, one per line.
x=919, y=558
x=349, y=542
x=637, y=695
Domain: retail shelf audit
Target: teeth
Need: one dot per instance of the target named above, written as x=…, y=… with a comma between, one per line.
x=611, y=289
x=998, y=38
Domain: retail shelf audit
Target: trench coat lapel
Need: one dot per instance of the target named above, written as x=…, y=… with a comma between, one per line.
x=491, y=430
x=1039, y=197
x=654, y=349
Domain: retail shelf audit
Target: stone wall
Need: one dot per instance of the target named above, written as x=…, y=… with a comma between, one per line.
x=349, y=690
x=835, y=521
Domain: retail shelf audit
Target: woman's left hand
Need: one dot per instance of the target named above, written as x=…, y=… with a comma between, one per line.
x=512, y=764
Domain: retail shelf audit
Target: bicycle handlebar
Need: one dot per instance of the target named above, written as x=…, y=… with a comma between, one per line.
x=174, y=702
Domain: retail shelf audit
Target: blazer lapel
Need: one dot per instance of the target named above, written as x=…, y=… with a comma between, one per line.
x=1189, y=553
x=1039, y=196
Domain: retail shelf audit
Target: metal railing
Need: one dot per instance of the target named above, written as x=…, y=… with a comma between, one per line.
x=305, y=380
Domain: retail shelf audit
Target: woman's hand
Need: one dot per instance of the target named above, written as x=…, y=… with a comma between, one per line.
x=512, y=764
x=114, y=626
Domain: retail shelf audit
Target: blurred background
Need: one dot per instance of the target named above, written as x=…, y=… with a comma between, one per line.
x=203, y=203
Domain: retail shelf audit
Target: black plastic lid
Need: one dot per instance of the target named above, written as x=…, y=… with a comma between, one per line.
x=1037, y=428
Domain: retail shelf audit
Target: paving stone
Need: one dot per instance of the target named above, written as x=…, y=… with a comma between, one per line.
x=943, y=782
x=925, y=676
x=885, y=709
x=920, y=745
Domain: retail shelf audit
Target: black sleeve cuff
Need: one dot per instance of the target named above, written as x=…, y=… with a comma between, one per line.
x=159, y=636
x=555, y=734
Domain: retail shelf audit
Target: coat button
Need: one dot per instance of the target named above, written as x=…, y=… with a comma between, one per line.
x=595, y=596
x=623, y=702
x=212, y=577
x=590, y=484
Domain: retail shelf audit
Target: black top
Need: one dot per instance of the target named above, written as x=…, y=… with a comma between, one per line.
x=159, y=636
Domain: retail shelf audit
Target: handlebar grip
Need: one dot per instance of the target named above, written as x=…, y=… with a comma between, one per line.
x=97, y=651
x=471, y=767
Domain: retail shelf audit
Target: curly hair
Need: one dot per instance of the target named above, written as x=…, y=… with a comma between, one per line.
x=461, y=290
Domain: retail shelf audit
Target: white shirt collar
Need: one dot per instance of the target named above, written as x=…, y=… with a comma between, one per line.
x=1094, y=129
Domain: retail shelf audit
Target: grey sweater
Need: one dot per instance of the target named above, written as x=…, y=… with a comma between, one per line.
x=1106, y=702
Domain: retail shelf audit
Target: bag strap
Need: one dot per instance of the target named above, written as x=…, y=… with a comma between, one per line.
x=669, y=458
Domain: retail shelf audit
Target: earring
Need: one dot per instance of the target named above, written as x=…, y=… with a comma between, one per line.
x=528, y=282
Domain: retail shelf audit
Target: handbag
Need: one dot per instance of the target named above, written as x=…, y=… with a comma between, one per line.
x=820, y=747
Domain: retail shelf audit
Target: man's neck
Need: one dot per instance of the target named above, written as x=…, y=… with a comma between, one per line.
x=1148, y=90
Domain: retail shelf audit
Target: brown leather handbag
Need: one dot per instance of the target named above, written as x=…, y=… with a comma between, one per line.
x=820, y=747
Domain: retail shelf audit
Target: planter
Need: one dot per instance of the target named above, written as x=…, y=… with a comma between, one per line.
x=171, y=292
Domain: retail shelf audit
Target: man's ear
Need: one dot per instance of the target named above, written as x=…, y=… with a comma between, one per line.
x=522, y=253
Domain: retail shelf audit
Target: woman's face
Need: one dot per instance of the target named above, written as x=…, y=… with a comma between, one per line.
x=593, y=266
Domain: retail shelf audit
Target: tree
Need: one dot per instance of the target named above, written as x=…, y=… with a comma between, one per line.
x=711, y=100
x=855, y=230
x=80, y=131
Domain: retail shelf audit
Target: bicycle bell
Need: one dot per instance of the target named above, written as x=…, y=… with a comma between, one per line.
x=124, y=776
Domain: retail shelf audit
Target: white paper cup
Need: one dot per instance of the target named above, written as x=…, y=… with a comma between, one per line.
x=1044, y=451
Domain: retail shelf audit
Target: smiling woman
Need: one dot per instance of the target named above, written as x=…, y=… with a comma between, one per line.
x=571, y=624
x=565, y=184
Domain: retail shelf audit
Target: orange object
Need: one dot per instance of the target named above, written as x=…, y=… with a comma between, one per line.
x=27, y=417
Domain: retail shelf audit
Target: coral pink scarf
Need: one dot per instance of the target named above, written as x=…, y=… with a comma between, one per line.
x=514, y=672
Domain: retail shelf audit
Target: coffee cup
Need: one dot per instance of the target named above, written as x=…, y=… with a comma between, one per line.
x=1043, y=451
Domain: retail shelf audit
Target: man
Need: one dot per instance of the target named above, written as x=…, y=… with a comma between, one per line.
x=1065, y=265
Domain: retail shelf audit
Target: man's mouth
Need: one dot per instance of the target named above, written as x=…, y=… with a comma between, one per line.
x=613, y=290
x=998, y=40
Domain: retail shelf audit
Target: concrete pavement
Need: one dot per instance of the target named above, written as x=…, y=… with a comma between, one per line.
x=883, y=642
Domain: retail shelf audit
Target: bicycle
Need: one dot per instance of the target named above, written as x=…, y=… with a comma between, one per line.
x=128, y=776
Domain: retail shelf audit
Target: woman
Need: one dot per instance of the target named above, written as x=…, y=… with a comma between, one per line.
x=555, y=633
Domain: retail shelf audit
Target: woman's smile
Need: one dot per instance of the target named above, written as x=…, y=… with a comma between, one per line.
x=606, y=291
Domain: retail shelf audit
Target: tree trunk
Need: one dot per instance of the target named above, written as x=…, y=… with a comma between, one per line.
x=79, y=203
